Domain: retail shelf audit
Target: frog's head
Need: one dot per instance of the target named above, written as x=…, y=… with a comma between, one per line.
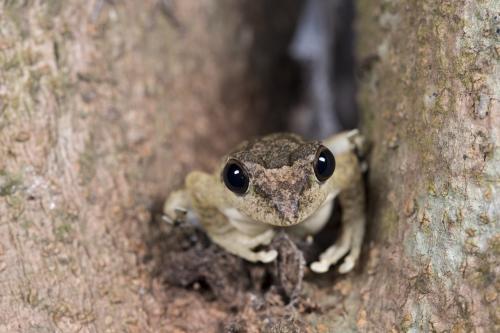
x=279, y=179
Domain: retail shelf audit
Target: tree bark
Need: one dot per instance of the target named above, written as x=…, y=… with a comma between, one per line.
x=82, y=150
x=430, y=97
x=104, y=106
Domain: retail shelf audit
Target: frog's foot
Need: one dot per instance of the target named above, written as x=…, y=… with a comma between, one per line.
x=176, y=207
x=264, y=238
x=241, y=245
x=333, y=254
x=247, y=253
x=267, y=256
x=350, y=241
x=357, y=243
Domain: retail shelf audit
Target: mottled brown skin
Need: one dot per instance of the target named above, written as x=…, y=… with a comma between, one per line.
x=283, y=192
x=275, y=150
x=281, y=173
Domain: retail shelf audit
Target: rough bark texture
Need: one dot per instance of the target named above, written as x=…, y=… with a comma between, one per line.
x=105, y=105
x=431, y=109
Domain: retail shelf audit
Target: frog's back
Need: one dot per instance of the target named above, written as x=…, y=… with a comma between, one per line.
x=275, y=150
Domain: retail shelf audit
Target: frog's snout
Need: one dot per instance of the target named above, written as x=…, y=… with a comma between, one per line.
x=288, y=210
x=283, y=189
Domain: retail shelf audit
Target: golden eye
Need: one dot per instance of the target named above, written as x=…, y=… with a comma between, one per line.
x=235, y=177
x=324, y=164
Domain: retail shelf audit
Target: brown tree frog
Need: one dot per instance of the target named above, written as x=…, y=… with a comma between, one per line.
x=280, y=181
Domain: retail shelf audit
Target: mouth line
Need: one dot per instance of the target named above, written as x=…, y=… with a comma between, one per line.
x=283, y=223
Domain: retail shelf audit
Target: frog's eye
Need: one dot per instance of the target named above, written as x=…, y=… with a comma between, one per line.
x=235, y=177
x=324, y=164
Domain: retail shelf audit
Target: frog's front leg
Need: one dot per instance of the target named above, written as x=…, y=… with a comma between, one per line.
x=351, y=237
x=205, y=200
x=352, y=201
x=354, y=219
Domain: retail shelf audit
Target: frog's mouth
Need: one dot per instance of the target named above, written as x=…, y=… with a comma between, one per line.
x=242, y=218
x=290, y=211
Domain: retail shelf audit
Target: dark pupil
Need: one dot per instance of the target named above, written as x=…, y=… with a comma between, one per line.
x=235, y=178
x=325, y=165
x=322, y=164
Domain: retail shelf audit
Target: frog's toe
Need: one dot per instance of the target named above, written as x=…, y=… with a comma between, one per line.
x=167, y=219
x=347, y=265
x=267, y=256
x=320, y=266
x=177, y=205
x=267, y=237
x=264, y=238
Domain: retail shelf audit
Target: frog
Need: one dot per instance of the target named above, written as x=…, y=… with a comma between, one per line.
x=278, y=182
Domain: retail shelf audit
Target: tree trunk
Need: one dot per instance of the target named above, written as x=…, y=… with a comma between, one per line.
x=105, y=105
x=430, y=97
